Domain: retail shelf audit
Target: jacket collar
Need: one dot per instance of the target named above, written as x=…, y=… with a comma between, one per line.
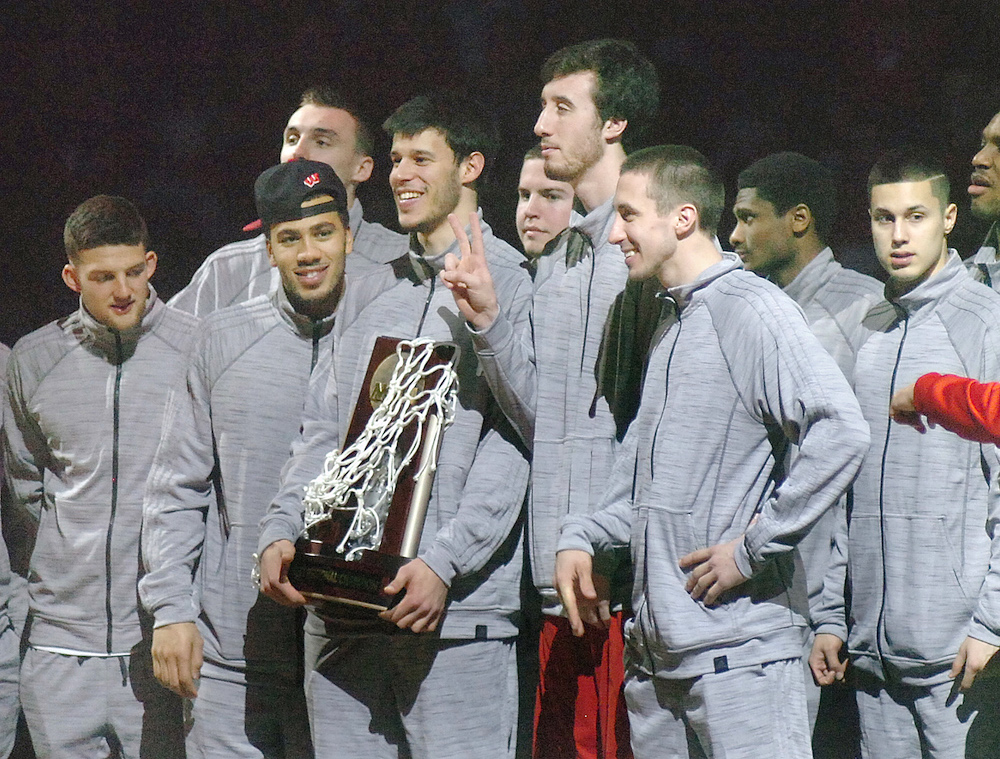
x=420, y=267
x=302, y=325
x=813, y=277
x=936, y=288
x=355, y=217
x=106, y=340
x=682, y=295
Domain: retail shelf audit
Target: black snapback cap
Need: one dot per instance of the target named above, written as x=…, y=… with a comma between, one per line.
x=280, y=191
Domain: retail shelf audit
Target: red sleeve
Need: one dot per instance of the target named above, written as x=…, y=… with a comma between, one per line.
x=968, y=408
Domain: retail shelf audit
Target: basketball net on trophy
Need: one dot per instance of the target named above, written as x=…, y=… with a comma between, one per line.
x=364, y=513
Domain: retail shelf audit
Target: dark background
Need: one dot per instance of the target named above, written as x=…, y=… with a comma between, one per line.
x=179, y=105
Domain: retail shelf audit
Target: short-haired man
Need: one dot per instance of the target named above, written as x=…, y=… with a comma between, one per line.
x=217, y=469
x=922, y=561
x=85, y=399
x=544, y=205
x=327, y=128
x=697, y=490
x=785, y=208
x=447, y=688
x=984, y=195
x=570, y=386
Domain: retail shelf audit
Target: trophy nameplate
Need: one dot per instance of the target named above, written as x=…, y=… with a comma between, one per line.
x=336, y=587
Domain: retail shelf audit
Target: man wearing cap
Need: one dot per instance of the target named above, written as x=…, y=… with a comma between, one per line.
x=448, y=688
x=217, y=468
x=326, y=128
x=84, y=407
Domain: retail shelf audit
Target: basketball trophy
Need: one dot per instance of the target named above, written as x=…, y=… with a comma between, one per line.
x=364, y=514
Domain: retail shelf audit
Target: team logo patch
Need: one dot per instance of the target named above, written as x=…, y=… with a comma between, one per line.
x=312, y=180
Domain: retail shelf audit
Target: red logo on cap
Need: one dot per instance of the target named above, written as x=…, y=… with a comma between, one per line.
x=311, y=181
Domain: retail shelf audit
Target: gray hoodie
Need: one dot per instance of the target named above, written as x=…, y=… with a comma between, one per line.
x=241, y=270
x=225, y=440
x=733, y=375
x=922, y=531
x=471, y=539
x=984, y=265
x=834, y=301
x=547, y=382
x=85, y=407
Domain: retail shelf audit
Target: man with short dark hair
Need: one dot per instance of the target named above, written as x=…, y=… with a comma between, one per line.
x=698, y=490
x=922, y=562
x=570, y=384
x=543, y=205
x=218, y=467
x=984, y=196
x=785, y=208
x=446, y=688
x=328, y=128
x=85, y=403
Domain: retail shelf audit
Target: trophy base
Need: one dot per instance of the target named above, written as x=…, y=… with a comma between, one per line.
x=338, y=589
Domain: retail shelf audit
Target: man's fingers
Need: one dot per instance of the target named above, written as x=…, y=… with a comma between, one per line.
x=958, y=665
x=478, y=249
x=460, y=236
x=695, y=557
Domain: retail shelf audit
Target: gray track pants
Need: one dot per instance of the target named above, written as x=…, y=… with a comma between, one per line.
x=408, y=695
x=745, y=713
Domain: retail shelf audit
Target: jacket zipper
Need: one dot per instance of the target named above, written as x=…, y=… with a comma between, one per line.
x=879, y=628
x=666, y=389
x=427, y=305
x=114, y=490
x=315, y=345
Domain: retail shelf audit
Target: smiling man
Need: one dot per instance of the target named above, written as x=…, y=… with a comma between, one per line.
x=922, y=560
x=326, y=127
x=543, y=205
x=448, y=686
x=216, y=640
x=699, y=491
x=984, y=196
x=85, y=406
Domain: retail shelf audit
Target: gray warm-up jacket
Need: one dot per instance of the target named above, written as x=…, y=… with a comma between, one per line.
x=85, y=407
x=470, y=539
x=834, y=301
x=225, y=439
x=733, y=375
x=547, y=380
x=8, y=584
x=923, y=529
x=984, y=264
x=241, y=270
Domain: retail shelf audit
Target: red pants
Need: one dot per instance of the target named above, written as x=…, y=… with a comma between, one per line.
x=580, y=709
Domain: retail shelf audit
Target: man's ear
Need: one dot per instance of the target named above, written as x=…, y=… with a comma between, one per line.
x=348, y=241
x=801, y=219
x=950, y=217
x=472, y=166
x=71, y=277
x=613, y=129
x=363, y=170
x=150, y=263
x=270, y=253
x=687, y=220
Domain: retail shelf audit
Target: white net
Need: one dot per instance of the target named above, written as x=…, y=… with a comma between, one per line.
x=362, y=477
